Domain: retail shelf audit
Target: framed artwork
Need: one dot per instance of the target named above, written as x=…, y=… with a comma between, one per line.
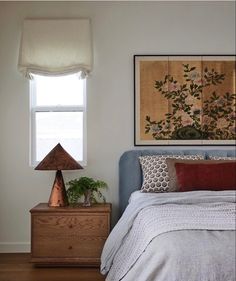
x=185, y=100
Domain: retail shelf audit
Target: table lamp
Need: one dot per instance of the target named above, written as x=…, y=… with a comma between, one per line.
x=58, y=159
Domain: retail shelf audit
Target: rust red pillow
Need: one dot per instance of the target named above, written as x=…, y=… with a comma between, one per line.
x=220, y=176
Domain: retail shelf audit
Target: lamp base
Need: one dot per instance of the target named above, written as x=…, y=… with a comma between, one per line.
x=58, y=197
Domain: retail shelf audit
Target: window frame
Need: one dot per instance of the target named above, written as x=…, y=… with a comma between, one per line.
x=61, y=108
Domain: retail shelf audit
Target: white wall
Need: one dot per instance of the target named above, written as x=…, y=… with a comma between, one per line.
x=120, y=30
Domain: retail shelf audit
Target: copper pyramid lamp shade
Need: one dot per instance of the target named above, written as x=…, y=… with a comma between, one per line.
x=58, y=159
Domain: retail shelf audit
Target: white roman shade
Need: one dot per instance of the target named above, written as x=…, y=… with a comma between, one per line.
x=56, y=47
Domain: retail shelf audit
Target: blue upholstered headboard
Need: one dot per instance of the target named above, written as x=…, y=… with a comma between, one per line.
x=130, y=174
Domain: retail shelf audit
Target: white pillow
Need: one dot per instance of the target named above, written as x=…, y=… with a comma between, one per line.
x=211, y=157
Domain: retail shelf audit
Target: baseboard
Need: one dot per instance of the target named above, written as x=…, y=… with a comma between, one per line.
x=14, y=247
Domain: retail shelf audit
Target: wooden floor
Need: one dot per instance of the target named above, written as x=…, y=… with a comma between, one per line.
x=16, y=267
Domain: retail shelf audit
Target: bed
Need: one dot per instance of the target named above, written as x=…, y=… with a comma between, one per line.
x=170, y=236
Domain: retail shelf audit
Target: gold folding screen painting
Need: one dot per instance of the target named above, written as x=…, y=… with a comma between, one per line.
x=185, y=100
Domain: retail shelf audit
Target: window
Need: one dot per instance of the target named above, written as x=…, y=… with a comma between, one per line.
x=58, y=114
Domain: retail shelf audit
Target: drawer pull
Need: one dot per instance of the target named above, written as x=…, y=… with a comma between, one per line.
x=70, y=226
x=70, y=248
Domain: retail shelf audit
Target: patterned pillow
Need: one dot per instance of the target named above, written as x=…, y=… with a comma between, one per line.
x=212, y=157
x=155, y=172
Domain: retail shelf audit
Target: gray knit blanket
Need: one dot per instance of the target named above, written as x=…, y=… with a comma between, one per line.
x=150, y=215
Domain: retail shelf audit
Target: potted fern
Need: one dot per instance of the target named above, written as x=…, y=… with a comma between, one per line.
x=87, y=187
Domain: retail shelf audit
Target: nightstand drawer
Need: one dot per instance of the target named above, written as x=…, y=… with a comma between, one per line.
x=55, y=226
x=68, y=247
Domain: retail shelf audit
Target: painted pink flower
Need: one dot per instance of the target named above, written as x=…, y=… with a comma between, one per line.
x=190, y=99
x=174, y=87
x=206, y=120
x=232, y=116
x=232, y=129
x=187, y=122
x=183, y=115
x=222, y=122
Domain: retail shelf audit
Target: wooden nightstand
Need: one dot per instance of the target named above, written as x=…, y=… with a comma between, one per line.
x=69, y=235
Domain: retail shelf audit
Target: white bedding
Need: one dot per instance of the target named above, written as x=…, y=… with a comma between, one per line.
x=150, y=217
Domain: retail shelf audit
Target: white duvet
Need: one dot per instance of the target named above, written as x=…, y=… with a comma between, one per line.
x=148, y=216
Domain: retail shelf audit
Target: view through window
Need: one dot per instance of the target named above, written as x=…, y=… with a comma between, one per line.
x=58, y=115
